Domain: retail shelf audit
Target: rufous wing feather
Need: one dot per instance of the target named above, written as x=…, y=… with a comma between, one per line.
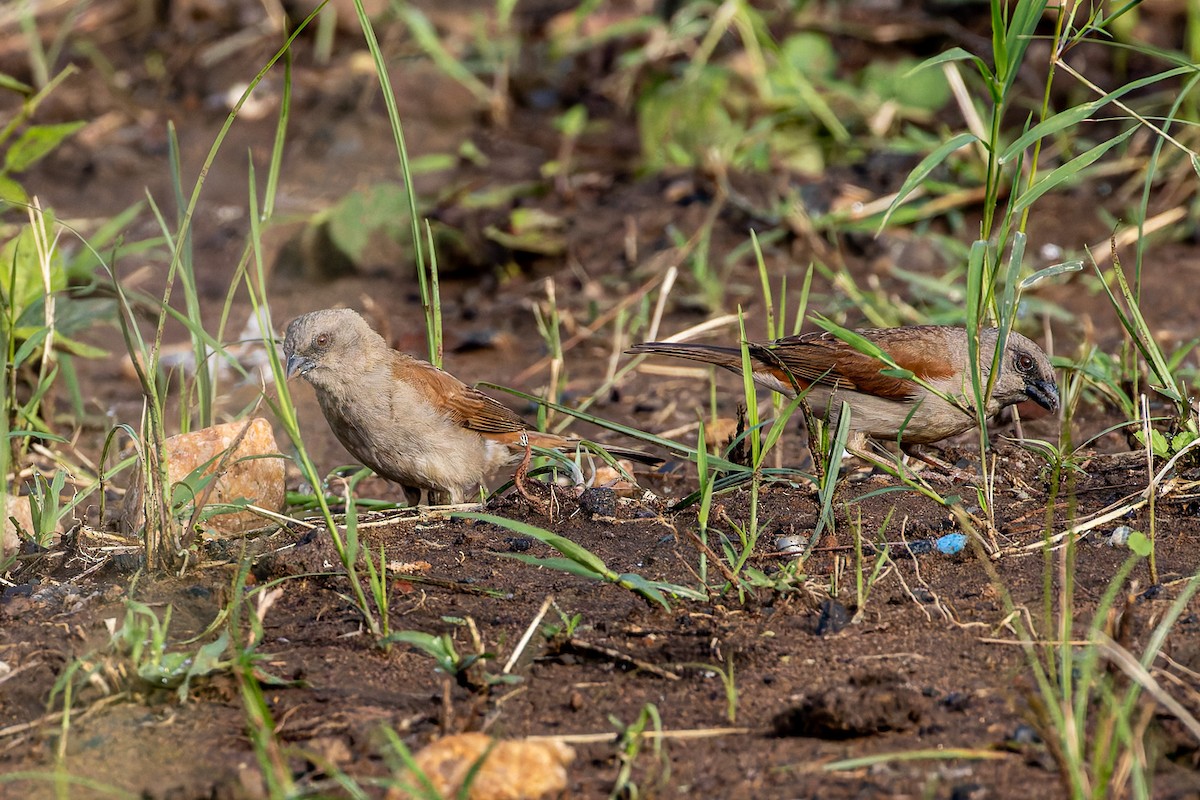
x=469, y=407
x=823, y=358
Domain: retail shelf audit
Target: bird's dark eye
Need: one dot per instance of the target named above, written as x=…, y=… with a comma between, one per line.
x=1025, y=362
x=322, y=340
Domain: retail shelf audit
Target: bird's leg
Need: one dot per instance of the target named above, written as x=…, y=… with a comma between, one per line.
x=814, y=437
x=413, y=495
x=522, y=473
x=941, y=468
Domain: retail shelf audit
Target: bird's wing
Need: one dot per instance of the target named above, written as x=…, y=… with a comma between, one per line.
x=466, y=405
x=825, y=359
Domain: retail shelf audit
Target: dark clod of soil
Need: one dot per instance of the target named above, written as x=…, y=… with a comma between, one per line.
x=598, y=502
x=834, y=617
x=867, y=704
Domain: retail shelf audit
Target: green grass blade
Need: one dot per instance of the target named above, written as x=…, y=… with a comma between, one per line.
x=928, y=164
x=1059, y=176
x=577, y=553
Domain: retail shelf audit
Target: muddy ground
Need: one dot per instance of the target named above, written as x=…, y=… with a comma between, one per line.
x=928, y=663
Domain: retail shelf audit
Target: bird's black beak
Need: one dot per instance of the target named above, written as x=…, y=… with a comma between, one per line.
x=298, y=365
x=1044, y=393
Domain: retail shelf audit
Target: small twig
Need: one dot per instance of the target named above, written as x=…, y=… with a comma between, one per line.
x=14, y=673
x=1133, y=668
x=661, y=306
x=600, y=738
x=590, y=330
x=713, y=557
x=1114, y=511
x=524, y=641
x=617, y=655
x=419, y=514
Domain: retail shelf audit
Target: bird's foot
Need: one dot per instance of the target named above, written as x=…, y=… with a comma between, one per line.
x=931, y=466
x=521, y=477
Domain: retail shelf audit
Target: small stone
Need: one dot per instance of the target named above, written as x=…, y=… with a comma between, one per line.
x=513, y=769
x=17, y=507
x=330, y=749
x=956, y=701
x=970, y=791
x=951, y=543
x=834, y=617
x=1025, y=734
x=790, y=546
x=1120, y=536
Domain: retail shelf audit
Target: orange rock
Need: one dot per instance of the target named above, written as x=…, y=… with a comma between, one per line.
x=513, y=770
x=17, y=507
x=244, y=473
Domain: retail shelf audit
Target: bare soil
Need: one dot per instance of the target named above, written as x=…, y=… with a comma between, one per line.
x=928, y=663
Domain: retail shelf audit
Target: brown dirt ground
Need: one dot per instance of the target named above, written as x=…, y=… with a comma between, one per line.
x=929, y=665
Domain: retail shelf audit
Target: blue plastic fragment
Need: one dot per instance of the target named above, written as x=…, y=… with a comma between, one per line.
x=951, y=543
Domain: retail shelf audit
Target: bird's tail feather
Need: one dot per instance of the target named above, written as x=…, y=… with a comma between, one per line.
x=728, y=357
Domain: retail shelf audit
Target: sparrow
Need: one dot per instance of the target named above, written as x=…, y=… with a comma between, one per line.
x=884, y=407
x=409, y=421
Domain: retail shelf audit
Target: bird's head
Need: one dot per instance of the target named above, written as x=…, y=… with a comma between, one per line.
x=325, y=340
x=1026, y=376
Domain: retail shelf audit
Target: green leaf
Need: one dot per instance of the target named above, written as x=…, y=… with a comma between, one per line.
x=641, y=584
x=855, y=340
x=69, y=345
x=645, y=588
x=1073, y=116
x=951, y=55
x=928, y=164
x=572, y=121
x=1064, y=119
x=425, y=641
x=21, y=273
x=1059, y=176
x=11, y=83
x=430, y=41
x=560, y=564
x=440, y=648
x=166, y=672
x=531, y=230
x=364, y=213
x=207, y=661
x=33, y=340
x=35, y=142
x=48, y=437
x=1049, y=272
x=679, y=121
x=575, y=552
x=922, y=90
x=1140, y=543
x=1182, y=440
x=809, y=53
x=12, y=192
